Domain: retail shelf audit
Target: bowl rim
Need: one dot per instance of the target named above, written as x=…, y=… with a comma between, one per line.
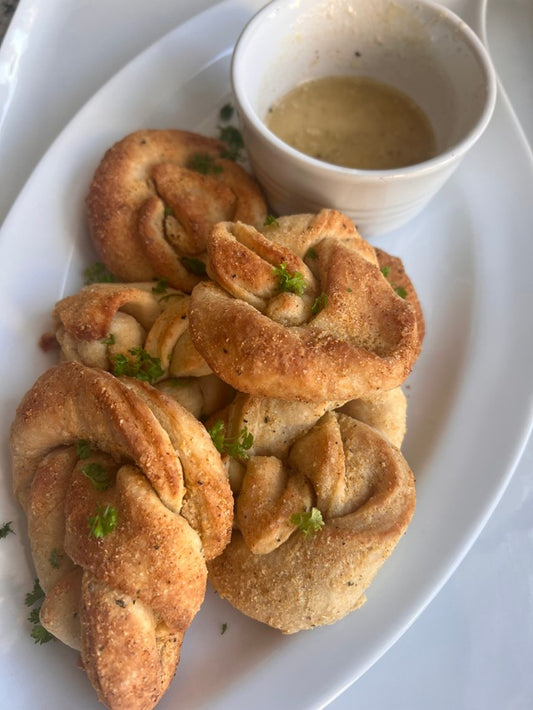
x=451, y=154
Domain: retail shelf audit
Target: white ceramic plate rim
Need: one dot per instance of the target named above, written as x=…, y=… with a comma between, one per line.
x=467, y=458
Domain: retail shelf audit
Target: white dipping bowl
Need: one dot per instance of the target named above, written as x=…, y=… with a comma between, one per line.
x=417, y=46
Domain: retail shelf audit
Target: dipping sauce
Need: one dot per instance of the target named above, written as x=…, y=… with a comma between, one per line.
x=353, y=121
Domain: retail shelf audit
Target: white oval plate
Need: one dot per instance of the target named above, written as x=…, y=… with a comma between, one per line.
x=470, y=396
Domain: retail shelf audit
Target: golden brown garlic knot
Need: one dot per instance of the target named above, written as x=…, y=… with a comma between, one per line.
x=364, y=492
x=359, y=337
x=126, y=490
x=150, y=209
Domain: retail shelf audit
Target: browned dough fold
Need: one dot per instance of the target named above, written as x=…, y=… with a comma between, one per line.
x=124, y=599
x=364, y=490
x=348, y=334
x=154, y=198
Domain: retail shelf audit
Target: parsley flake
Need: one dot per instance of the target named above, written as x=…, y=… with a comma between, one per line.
x=36, y=597
x=98, y=476
x=223, y=628
x=161, y=286
x=232, y=137
x=103, y=522
x=292, y=283
x=226, y=112
x=308, y=521
x=108, y=340
x=98, y=273
x=140, y=365
x=235, y=446
x=33, y=616
x=320, y=303
x=204, y=163
x=6, y=529
x=38, y=633
x=271, y=220
x=194, y=266
x=400, y=291
x=83, y=449
x=55, y=558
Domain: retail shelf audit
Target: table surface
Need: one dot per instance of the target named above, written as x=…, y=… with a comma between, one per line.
x=471, y=649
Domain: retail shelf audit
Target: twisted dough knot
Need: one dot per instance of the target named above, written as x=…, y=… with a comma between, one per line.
x=347, y=335
x=150, y=208
x=276, y=423
x=108, y=320
x=364, y=490
x=124, y=489
x=273, y=423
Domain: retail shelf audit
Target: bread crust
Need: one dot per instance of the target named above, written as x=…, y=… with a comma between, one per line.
x=394, y=271
x=364, y=490
x=126, y=598
x=108, y=320
x=148, y=208
x=385, y=411
x=363, y=339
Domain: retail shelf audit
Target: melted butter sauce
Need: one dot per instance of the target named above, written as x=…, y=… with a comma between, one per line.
x=353, y=121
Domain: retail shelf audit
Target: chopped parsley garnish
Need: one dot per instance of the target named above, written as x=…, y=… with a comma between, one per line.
x=103, y=522
x=55, y=558
x=194, y=266
x=140, y=365
x=98, y=273
x=38, y=633
x=169, y=212
x=98, y=476
x=36, y=597
x=223, y=628
x=83, y=449
x=308, y=521
x=320, y=303
x=385, y=270
x=271, y=220
x=108, y=340
x=232, y=137
x=400, y=291
x=33, y=616
x=292, y=283
x=235, y=446
x=6, y=529
x=161, y=286
x=204, y=163
x=226, y=112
